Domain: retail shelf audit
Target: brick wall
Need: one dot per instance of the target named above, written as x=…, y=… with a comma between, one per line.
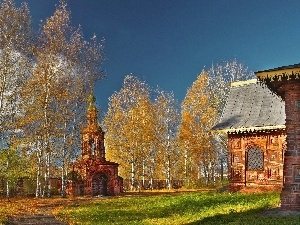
x=270, y=177
x=290, y=195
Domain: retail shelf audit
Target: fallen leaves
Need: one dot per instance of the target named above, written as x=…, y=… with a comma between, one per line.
x=17, y=207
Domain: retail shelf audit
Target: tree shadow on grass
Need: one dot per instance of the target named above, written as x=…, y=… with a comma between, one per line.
x=186, y=205
x=196, y=205
x=251, y=217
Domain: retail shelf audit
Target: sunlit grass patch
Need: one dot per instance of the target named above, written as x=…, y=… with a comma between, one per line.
x=184, y=208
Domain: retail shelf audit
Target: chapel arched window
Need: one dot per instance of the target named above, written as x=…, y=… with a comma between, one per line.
x=255, y=159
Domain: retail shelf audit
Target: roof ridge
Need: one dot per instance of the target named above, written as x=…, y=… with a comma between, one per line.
x=244, y=82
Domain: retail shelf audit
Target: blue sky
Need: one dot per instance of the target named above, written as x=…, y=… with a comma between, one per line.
x=168, y=42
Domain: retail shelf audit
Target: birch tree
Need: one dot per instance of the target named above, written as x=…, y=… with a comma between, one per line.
x=128, y=123
x=221, y=75
x=167, y=116
x=15, y=41
x=65, y=70
x=199, y=114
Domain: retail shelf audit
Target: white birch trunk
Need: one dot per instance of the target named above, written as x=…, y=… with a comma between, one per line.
x=168, y=173
x=132, y=176
x=48, y=174
x=185, y=165
x=7, y=180
x=168, y=164
x=47, y=185
x=63, y=181
x=151, y=183
x=143, y=174
x=38, y=182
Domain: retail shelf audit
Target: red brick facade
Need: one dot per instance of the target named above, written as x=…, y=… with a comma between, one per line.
x=256, y=160
x=290, y=195
x=91, y=173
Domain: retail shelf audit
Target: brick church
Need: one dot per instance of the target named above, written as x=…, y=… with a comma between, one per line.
x=92, y=174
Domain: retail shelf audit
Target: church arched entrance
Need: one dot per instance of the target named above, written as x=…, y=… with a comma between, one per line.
x=99, y=184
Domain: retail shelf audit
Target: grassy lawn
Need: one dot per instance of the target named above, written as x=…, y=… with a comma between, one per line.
x=178, y=208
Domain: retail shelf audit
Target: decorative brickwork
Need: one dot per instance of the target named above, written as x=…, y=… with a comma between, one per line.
x=91, y=173
x=256, y=160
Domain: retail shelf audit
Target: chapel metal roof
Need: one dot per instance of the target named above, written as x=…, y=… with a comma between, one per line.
x=251, y=106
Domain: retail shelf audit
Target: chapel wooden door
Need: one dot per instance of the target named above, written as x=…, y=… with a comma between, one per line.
x=99, y=184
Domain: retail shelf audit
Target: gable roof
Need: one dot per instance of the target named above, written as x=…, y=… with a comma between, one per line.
x=251, y=106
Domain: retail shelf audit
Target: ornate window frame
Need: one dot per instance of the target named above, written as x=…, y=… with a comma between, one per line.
x=254, y=159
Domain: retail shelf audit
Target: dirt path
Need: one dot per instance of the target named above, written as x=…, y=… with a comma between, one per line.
x=42, y=216
x=35, y=220
x=39, y=211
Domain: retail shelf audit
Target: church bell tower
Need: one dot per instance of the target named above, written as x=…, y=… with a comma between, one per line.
x=92, y=134
x=94, y=174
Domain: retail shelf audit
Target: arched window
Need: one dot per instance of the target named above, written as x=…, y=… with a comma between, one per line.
x=255, y=159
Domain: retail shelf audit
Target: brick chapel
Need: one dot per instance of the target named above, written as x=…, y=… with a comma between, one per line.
x=254, y=120
x=92, y=174
x=263, y=124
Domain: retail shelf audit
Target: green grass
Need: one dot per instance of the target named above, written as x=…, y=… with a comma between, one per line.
x=179, y=208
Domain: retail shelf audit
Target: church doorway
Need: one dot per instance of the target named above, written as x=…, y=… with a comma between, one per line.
x=99, y=184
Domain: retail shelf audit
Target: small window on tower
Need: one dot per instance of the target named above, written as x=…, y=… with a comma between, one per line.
x=296, y=173
x=297, y=104
x=93, y=148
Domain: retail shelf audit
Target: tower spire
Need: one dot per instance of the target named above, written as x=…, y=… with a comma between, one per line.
x=92, y=112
